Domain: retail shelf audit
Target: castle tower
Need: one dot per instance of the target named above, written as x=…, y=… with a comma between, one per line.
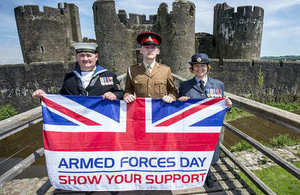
x=116, y=35
x=205, y=43
x=238, y=34
x=177, y=29
x=115, y=41
x=46, y=36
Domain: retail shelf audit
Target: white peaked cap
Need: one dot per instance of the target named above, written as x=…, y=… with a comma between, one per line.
x=85, y=47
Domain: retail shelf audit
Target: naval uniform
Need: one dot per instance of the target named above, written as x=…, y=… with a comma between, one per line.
x=155, y=84
x=212, y=88
x=101, y=81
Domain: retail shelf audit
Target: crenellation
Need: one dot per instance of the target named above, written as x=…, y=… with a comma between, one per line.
x=245, y=11
x=229, y=13
x=31, y=10
x=152, y=19
x=46, y=35
x=258, y=12
x=59, y=6
x=123, y=16
x=238, y=36
x=136, y=18
x=52, y=12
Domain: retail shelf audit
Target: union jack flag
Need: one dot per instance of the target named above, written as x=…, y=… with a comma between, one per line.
x=145, y=138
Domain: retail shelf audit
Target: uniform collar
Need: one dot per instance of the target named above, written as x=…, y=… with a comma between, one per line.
x=204, y=80
x=151, y=65
x=99, y=69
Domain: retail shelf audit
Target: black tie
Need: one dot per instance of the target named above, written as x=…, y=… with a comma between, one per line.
x=201, y=85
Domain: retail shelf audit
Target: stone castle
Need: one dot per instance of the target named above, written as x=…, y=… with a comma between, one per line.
x=47, y=36
x=234, y=47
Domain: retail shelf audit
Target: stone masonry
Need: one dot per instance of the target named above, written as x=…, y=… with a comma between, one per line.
x=238, y=34
x=48, y=35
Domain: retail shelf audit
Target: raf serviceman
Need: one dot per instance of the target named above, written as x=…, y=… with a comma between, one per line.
x=149, y=79
x=88, y=78
x=202, y=86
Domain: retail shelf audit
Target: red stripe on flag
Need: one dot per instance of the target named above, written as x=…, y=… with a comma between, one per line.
x=188, y=112
x=111, y=141
x=70, y=113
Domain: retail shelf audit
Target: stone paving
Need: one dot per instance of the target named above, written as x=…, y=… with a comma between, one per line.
x=255, y=160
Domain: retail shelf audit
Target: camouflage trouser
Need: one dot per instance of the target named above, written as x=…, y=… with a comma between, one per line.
x=217, y=152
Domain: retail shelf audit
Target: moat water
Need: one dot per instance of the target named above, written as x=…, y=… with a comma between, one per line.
x=20, y=145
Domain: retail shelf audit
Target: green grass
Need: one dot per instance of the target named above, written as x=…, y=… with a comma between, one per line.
x=280, y=141
x=241, y=146
x=236, y=113
x=7, y=111
x=276, y=178
x=283, y=140
x=290, y=106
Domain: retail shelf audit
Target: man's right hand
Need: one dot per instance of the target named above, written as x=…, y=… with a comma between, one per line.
x=38, y=93
x=129, y=98
x=183, y=98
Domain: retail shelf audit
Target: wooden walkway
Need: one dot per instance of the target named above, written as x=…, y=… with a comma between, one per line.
x=226, y=181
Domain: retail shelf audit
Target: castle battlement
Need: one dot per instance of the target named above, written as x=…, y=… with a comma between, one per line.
x=27, y=10
x=47, y=35
x=249, y=11
x=135, y=19
x=33, y=10
x=238, y=33
x=225, y=11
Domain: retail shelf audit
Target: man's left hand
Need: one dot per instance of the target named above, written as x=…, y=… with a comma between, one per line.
x=168, y=99
x=109, y=95
x=228, y=102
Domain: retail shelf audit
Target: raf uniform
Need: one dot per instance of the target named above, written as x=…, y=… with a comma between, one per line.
x=99, y=82
x=155, y=84
x=196, y=88
x=193, y=87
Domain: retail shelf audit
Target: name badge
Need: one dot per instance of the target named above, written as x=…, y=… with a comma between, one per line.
x=106, y=80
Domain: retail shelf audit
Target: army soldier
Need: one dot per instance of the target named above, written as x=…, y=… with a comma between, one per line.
x=149, y=79
x=88, y=78
x=202, y=86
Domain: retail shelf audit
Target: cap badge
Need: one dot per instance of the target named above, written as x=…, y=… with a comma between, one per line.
x=199, y=59
x=149, y=39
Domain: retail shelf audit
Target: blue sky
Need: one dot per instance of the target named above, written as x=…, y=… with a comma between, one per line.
x=281, y=32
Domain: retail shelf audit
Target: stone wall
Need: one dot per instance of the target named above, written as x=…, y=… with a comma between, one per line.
x=280, y=79
x=47, y=35
x=205, y=43
x=17, y=82
x=238, y=34
x=265, y=80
